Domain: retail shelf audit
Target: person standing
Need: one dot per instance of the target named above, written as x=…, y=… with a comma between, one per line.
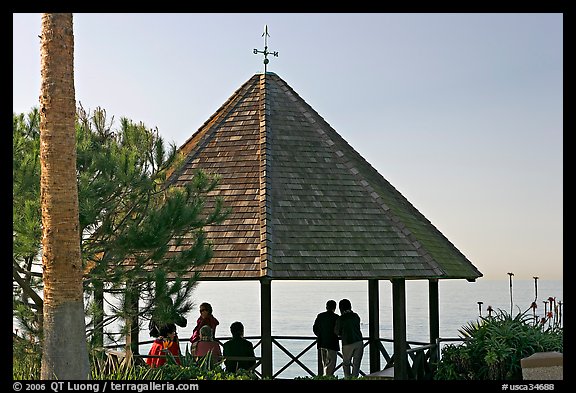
x=328, y=341
x=347, y=327
x=205, y=318
x=238, y=346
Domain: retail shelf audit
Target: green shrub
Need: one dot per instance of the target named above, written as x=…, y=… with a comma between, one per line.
x=26, y=359
x=188, y=369
x=493, y=347
x=170, y=372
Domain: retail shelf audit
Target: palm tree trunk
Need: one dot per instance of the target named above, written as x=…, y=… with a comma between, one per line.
x=64, y=348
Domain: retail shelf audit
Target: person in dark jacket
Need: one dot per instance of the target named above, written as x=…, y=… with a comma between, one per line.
x=328, y=342
x=238, y=346
x=348, y=329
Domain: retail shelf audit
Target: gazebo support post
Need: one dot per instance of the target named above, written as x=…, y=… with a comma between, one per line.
x=266, y=326
x=399, y=328
x=98, y=336
x=434, y=316
x=131, y=298
x=373, y=325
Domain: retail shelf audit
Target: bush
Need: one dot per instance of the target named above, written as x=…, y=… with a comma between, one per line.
x=26, y=358
x=169, y=372
x=189, y=369
x=493, y=347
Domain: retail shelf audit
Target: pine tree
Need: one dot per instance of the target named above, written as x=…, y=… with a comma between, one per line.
x=128, y=218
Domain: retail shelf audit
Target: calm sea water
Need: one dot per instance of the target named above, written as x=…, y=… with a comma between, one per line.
x=295, y=305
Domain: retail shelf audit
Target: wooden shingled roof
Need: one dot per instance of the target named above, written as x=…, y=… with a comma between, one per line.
x=304, y=204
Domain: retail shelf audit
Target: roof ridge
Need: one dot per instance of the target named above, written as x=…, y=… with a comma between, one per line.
x=264, y=173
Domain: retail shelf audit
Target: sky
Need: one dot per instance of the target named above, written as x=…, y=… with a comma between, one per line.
x=461, y=112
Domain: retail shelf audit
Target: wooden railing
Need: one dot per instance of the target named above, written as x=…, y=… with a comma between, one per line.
x=421, y=356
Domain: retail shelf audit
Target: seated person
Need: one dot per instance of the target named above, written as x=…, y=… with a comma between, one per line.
x=166, y=345
x=238, y=346
x=207, y=347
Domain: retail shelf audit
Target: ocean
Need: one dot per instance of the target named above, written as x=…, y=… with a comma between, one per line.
x=295, y=305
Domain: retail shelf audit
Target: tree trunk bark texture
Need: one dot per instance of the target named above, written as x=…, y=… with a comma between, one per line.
x=64, y=348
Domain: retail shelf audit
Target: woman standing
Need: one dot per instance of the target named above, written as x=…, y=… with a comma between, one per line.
x=206, y=318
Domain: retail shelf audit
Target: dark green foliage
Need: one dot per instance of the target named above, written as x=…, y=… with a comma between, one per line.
x=129, y=218
x=170, y=372
x=26, y=358
x=26, y=222
x=189, y=369
x=494, y=346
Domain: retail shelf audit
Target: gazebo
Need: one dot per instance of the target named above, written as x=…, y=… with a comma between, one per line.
x=306, y=206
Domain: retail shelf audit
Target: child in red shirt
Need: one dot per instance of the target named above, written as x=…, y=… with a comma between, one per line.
x=166, y=345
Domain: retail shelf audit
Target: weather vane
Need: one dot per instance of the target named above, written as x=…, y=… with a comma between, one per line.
x=265, y=51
